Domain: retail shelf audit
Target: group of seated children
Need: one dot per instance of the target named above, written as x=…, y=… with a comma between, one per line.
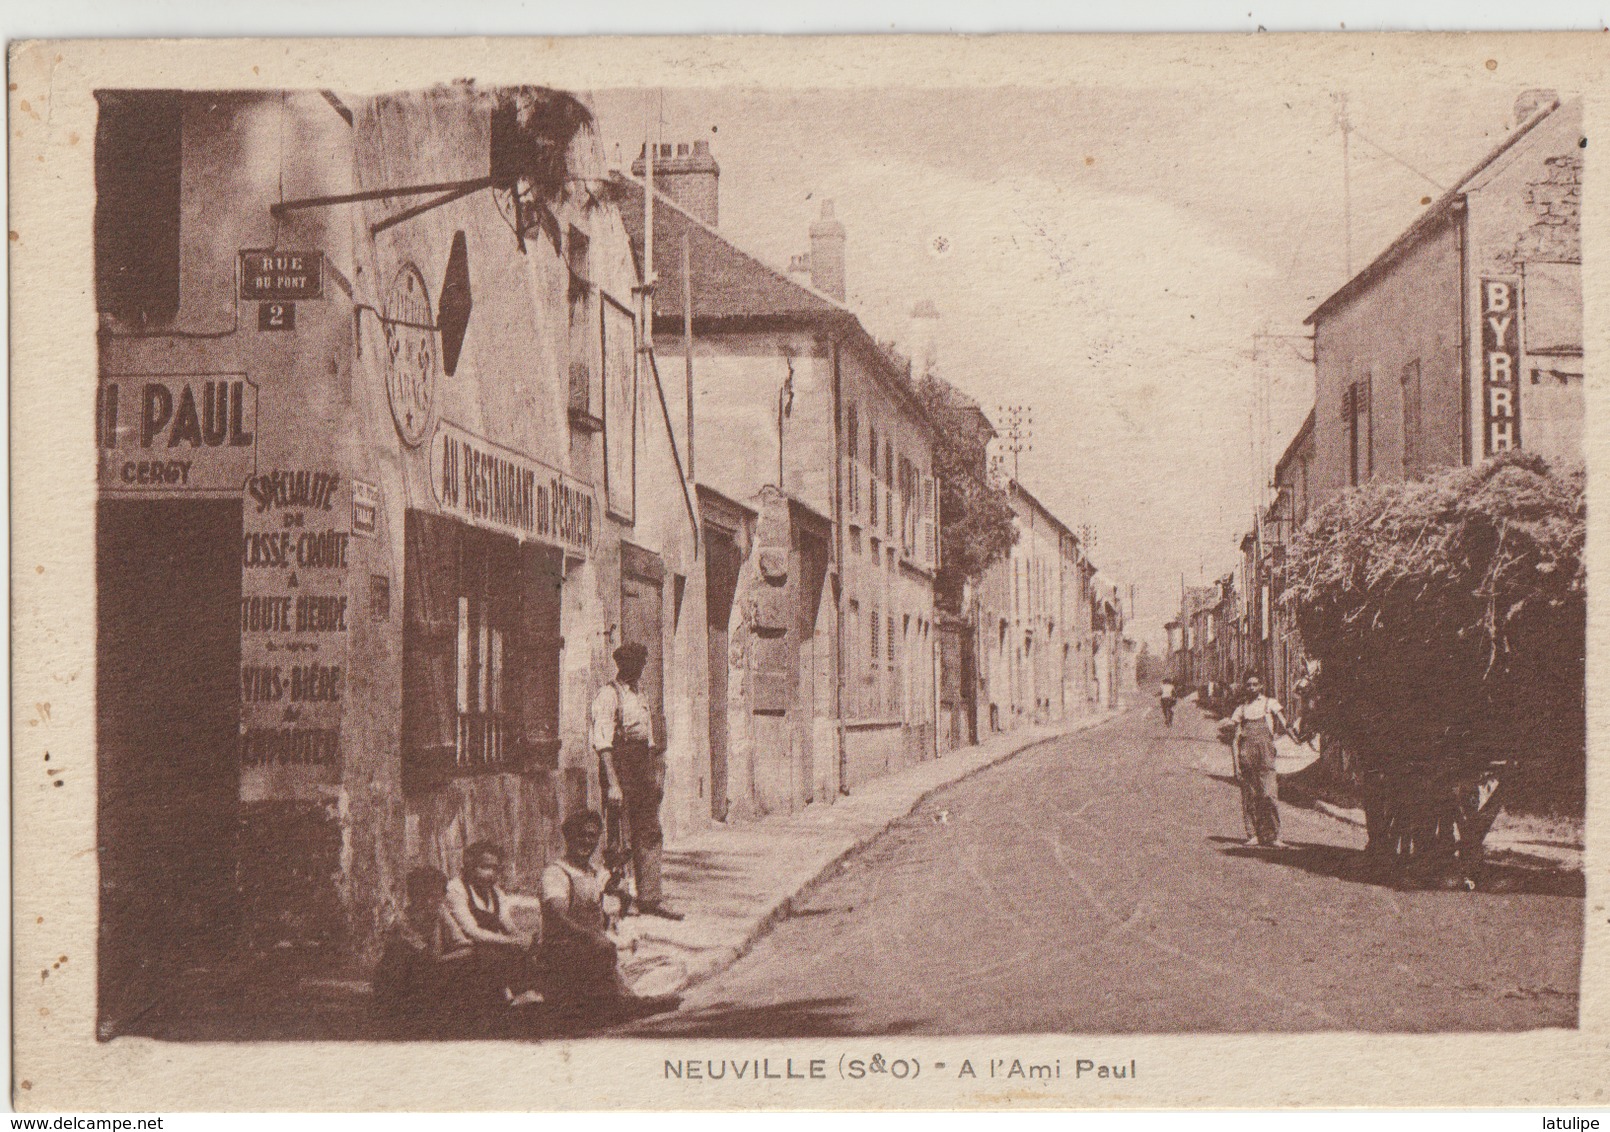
x=457, y=956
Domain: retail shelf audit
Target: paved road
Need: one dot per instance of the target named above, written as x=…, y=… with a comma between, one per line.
x=1096, y=884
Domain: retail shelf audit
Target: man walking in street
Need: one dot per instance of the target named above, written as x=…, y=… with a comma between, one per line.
x=1254, y=747
x=1166, y=699
x=631, y=772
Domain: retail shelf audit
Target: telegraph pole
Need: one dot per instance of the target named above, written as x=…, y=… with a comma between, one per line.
x=1347, y=184
x=1017, y=431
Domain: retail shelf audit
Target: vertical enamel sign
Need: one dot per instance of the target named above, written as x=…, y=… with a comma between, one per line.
x=1500, y=365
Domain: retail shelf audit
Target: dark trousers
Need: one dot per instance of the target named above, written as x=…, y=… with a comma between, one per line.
x=1255, y=768
x=578, y=969
x=478, y=980
x=642, y=779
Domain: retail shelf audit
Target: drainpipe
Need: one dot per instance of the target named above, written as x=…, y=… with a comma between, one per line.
x=1467, y=448
x=838, y=565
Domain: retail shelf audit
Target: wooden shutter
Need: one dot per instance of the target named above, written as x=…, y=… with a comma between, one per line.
x=930, y=523
x=430, y=638
x=536, y=648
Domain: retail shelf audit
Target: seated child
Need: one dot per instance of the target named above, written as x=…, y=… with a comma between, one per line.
x=408, y=982
x=484, y=953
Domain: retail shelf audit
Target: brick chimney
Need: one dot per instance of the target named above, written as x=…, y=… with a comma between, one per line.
x=689, y=176
x=923, y=337
x=827, y=254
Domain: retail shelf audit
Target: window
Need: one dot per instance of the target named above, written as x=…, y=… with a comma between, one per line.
x=930, y=522
x=586, y=355
x=854, y=665
x=873, y=684
x=874, y=494
x=480, y=651
x=908, y=507
x=1412, y=437
x=889, y=661
x=888, y=487
x=137, y=170
x=1369, y=424
x=1355, y=416
x=620, y=409
x=852, y=462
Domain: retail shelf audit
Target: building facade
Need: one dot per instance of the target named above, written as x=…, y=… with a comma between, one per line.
x=831, y=675
x=1463, y=339
x=1045, y=651
x=341, y=444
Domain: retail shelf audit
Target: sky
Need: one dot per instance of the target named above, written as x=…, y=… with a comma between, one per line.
x=1133, y=264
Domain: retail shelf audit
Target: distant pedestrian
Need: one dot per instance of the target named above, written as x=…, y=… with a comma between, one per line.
x=1255, y=720
x=631, y=773
x=1167, y=698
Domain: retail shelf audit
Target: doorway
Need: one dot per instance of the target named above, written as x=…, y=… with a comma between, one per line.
x=167, y=727
x=723, y=564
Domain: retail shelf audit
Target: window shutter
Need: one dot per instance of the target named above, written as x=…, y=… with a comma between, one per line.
x=430, y=638
x=930, y=525
x=537, y=645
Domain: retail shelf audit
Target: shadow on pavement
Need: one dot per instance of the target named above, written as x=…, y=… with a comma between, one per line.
x=804, y=1018
x=1510, y=875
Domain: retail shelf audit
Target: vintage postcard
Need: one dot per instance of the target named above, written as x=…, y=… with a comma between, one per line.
x=918, y=572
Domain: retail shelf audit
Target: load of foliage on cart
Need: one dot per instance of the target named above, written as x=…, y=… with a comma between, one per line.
x=1448, y=615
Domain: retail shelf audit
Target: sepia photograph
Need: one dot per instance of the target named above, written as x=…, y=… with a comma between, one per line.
x=648, y=565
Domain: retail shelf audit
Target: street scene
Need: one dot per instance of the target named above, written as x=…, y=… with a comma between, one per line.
x=643, y=563
x=1102, y=885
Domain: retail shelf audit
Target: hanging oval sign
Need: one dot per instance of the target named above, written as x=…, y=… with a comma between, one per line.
x=411, y=353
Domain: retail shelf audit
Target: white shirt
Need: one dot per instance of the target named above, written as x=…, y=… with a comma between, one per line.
x=463, y=931
x=1255, y=709
x=634, y=717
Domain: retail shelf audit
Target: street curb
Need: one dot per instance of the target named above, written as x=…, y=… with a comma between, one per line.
x=784, y=906
x=1351, y=817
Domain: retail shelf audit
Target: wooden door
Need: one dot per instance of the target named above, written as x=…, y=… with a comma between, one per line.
x=167, y=730
x=722, y=565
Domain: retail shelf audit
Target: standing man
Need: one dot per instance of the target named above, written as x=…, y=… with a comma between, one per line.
x=1255, y=720
x=1166, y=699
x=631, y=772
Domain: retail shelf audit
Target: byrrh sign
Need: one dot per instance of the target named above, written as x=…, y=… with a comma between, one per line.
x=1500, y=365
x=490, y=486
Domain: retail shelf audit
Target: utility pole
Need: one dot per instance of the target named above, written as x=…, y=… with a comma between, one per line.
x=1017, y=431
x=687, y=339
x=1347, y=184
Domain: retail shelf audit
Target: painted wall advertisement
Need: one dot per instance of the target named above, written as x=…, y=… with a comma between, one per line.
x=164, y=434
x=293, y=622
x=494, y=487
x=1500, y=365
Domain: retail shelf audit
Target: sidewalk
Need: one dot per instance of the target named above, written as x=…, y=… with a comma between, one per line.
x=1511, y=835
x=734, y=882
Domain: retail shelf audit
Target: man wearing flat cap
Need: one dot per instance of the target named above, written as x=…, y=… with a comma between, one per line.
x=631, y=772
